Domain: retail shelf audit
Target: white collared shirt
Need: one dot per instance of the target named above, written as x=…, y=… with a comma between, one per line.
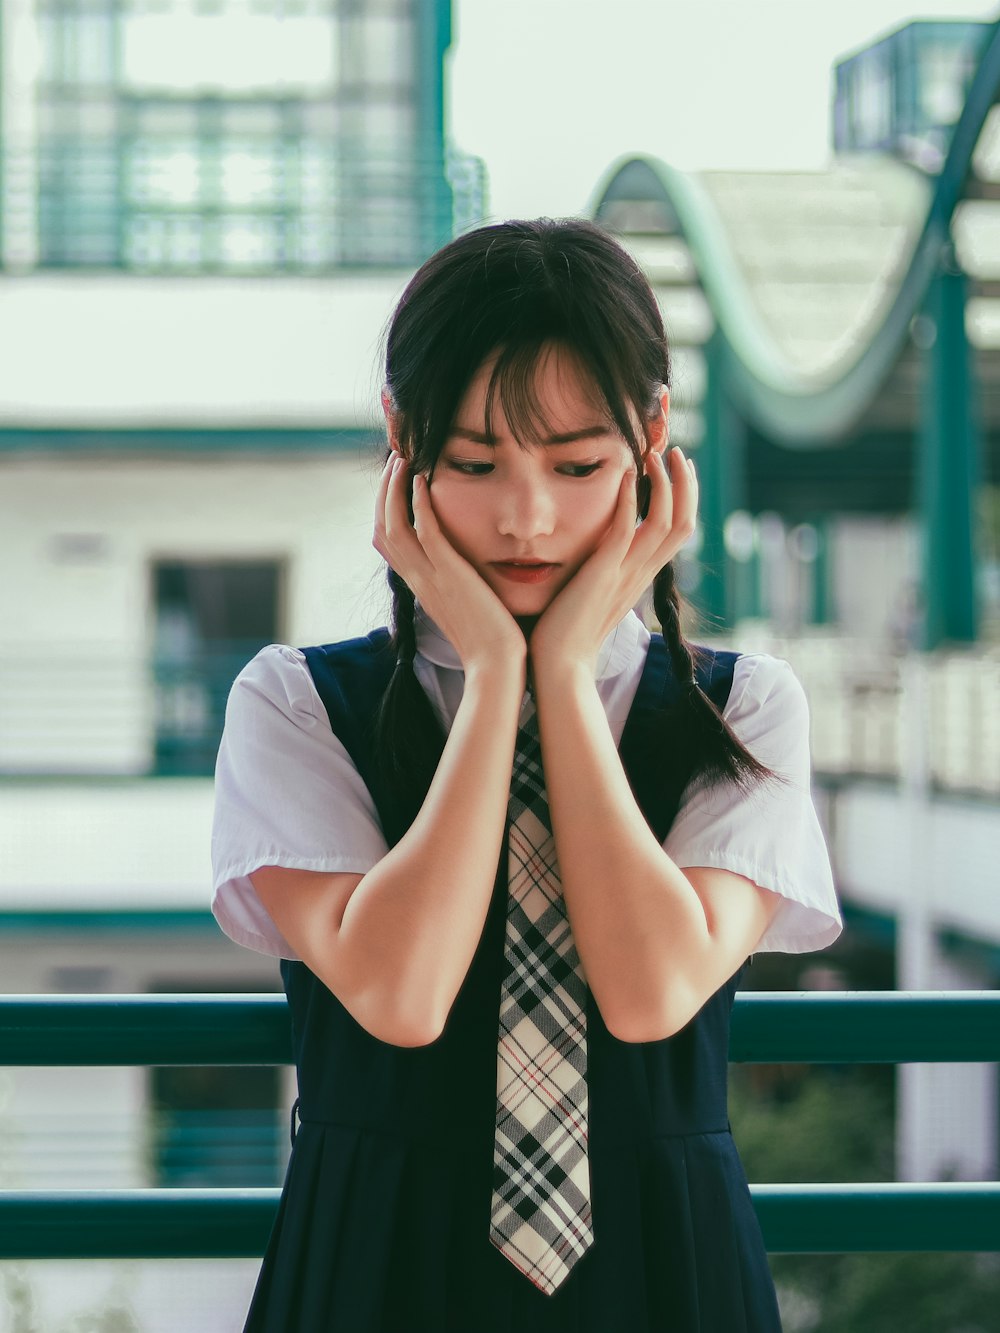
x=288, y=794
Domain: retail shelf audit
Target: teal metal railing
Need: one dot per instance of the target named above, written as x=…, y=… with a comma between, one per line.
x=818, y=1028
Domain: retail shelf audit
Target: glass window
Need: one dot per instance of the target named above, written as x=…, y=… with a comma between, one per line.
x=49, y=50
x=320, y=119
x=167, y=118
x=164, y=242
x=315, y=176
x=164, y=172
x=382, y=139
x=262, y=118
x=210, y=620
x=93, y=119
x=942, y=83
x=248, y=243
x=248, y=175
x=872, y=100
x=223, y=130
x=388, y=51
x=89, y=50
x=216, y=1127
x=314, y=242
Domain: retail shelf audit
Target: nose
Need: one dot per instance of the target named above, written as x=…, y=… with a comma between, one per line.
x=527, y=509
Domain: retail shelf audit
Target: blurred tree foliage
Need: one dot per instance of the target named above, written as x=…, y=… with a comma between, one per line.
x=817, y=1124
x=824, y=1124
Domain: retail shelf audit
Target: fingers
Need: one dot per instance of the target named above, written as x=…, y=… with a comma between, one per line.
x=685, y=494
x=394, y=536
x=622, y=530
x=378, y=536
x=397, y=513
x=410, y=538
x=673, y=503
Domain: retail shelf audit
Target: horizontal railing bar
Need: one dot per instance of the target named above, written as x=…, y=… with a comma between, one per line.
x=769, y=1027
x=235, y=1223
x=136, y=1224
x=865, y=1027
x=225, y=1029
x=858, y=1219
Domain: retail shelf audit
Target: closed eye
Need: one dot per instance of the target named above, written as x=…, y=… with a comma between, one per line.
x=576, y=470
x=470, y=469
x=581, y=469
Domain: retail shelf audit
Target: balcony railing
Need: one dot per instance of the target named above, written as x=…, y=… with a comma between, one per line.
x=823, y=1028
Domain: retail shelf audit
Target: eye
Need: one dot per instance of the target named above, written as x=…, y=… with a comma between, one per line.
x=469, y=469
x=581, y=469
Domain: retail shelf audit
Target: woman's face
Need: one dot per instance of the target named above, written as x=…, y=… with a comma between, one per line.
x=527, y=518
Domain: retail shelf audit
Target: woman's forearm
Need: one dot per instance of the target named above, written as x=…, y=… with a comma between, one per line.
x=639, y=926
x=412, y=925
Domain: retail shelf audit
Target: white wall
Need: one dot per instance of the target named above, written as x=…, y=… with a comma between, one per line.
x=84, y=350
x=873, y=558
x=78, y=539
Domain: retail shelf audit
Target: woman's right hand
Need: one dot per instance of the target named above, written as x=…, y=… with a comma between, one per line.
x=463, y=606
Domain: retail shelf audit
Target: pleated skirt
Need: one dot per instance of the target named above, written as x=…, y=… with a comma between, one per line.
x=377, y=1233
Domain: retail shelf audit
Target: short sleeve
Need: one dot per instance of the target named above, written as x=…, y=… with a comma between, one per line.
x=772, y=835
x=286, y=794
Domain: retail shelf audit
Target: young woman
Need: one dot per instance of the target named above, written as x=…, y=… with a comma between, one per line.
x=515, y=852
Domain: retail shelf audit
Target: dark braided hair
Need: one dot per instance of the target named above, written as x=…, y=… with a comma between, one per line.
x=510, y=291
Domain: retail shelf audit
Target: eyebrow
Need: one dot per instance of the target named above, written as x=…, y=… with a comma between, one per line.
x=568, y=437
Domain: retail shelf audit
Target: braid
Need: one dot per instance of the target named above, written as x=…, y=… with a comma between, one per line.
x=667, y=606
x=409, y=737
x=695, y=724
x=403, y=619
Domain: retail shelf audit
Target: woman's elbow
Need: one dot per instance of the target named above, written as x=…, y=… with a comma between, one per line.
x=656, y=1022
x=388, y=1024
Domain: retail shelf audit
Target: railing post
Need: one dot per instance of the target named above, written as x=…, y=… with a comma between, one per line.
x=946, y=1113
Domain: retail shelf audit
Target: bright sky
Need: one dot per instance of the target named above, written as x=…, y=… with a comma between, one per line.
x=551, y=92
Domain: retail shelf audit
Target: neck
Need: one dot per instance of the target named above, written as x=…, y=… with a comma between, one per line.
x=527, y=624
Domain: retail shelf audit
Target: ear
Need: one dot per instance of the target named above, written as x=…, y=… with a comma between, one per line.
x=390, y=417
x=658, y=426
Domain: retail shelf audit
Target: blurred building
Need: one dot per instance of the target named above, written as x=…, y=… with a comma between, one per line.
x=228, y=136
x=207, y=211
x=836, y=342
x=904, y=94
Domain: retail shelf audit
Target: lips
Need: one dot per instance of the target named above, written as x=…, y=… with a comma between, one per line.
x=525, y=571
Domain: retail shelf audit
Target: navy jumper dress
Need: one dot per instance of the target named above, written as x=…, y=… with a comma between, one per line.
x=383, y=1225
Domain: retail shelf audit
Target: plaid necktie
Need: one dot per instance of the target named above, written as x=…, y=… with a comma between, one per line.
x=540, y=1216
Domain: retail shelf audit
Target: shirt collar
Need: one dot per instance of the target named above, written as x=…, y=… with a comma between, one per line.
x=618, y=649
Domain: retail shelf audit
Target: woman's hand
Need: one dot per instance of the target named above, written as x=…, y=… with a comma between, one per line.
x=463, y=606
x=612, y=580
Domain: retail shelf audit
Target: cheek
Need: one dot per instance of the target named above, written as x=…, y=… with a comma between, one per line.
x=456, y=510
x=595, y=511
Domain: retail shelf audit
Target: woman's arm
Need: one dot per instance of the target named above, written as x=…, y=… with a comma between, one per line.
x=655, y=941
x=395, y=944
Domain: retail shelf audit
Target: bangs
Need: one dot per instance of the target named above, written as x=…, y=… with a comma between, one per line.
x=495, y=302
x=514, y=379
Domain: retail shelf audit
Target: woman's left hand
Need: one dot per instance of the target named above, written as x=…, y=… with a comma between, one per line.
x=612, y=580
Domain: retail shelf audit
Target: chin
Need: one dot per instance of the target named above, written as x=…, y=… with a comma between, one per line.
x=526, y=603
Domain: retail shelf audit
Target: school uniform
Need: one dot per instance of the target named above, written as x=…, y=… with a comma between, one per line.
x=384, y=1220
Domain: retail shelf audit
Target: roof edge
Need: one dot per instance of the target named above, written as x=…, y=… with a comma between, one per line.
x=797, y=408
